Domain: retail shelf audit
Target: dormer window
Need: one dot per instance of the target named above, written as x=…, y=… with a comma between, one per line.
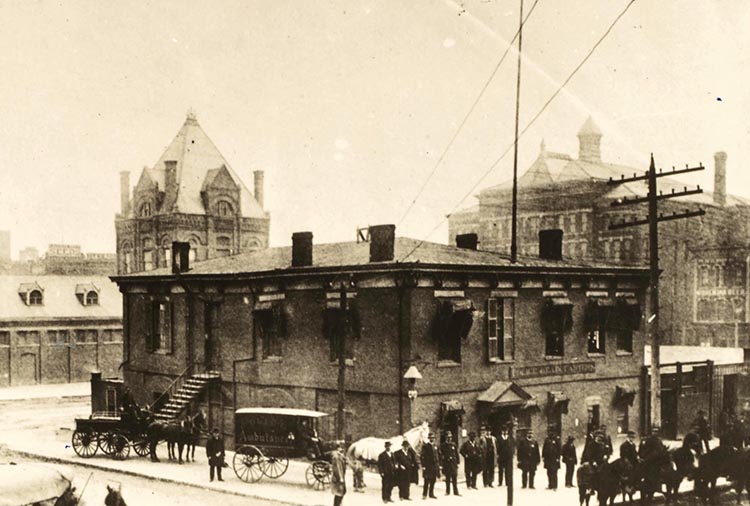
x=35, y=298
x=88, y=294
x=31, y=294
x=225, y=208
x=145, y=210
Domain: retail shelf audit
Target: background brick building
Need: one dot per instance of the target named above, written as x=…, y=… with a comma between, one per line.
x=704, y=285
x=544, y=342
x=57, y=329
x=192, y=195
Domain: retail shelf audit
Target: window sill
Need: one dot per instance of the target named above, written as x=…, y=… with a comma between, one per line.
x=448, y=363
x=597, y=355
x=553, y=357
x=161, y=352
x=500, y=361
x=622, y=353
x=272, y=359
x=349, y=362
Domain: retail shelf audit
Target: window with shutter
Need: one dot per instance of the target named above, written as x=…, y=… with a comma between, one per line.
x=509, y=328
x=492, y=347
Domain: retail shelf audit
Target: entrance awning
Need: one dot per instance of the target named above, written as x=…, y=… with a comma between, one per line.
x=557, y=400
x=505, y=394
x=625, y=393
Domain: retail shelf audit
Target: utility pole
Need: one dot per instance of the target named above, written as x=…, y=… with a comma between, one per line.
x=652, y=220
x=514, y=210
x=341, y=333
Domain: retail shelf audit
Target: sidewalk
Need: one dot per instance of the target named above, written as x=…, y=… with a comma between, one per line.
x=49, y=391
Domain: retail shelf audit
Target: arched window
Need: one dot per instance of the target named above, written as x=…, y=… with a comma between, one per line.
x=225, y=208
x=35, y=298
x=92, y=298
x=145, y=210
x=148, y=254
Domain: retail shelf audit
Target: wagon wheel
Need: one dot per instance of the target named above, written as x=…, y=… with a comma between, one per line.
x=119, y=445
x=140, y=446
x=273, y=467
x=318, y=474
x=84, y=443
x=246, y=463
x=105, y=441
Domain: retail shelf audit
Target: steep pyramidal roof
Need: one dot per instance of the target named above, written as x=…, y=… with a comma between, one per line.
x=196, y=155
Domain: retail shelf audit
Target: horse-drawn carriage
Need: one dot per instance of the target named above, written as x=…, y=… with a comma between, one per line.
x=111, y=432
x=266, y=438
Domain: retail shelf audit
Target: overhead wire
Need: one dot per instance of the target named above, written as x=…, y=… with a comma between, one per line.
x=463, y=121
x=526, y=128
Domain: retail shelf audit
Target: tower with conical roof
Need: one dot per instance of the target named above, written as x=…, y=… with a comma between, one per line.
x=193, y=195
x=589, y=142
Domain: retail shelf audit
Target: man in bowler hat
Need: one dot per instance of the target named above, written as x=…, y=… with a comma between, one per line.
x=430, y=458
x=387, y=472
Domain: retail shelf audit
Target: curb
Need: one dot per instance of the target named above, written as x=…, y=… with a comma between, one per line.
x=70, y=462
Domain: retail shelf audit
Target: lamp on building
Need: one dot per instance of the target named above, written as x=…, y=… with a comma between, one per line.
x=411, y=375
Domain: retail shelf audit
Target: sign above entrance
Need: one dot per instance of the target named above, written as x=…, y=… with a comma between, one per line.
x=555, y=369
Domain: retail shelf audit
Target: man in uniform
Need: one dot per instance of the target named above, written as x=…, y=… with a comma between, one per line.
x=488, y=448
x=449, y=456
x=506, y=447
x=628, y=450
x=387, y=472
x=528, y=459
x=570, y=459
x=551, y=455
x=430, y=458
x=472, y=460
x=215, y=453
x=702, y=429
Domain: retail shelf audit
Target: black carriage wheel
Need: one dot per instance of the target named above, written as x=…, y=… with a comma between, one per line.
x=246, y=463
x=140, y=446
x=105, y=443
x=273, y=467
x=120, y=446
x=318, y=474
x=85, y=443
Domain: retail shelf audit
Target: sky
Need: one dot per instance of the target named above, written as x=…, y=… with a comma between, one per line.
x=347, y=105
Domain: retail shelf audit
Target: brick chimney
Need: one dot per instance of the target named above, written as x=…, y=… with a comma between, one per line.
x=124, y=192
x=720, y=178
x=550, y=244
x=382, y=238
x=170, y=183
x=302, y=249
x=258, y=190
x=467, y=241
x=589, y=142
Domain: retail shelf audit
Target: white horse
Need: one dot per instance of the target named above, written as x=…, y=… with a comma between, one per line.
x=369, y=448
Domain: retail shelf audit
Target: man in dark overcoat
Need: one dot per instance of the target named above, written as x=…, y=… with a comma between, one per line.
x=449, y=461
x=551, y=451
x=472, y=460
x=506, y=448
x=387, y=472
x=628, y=450
x=488, y=448
x=404, y=470
x=702, y=429
x=570, y=459
x=215, y=453
x=430, y=458
x=607, y=442
x=528, y=459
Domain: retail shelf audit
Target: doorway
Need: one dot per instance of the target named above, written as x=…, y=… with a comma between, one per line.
x=210, y=320
x=594, y=418
x=27, y=370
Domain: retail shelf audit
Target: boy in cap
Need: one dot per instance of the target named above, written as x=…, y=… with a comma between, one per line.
x=387, y=472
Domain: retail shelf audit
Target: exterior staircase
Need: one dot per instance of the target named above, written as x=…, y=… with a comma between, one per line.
x=184, y=394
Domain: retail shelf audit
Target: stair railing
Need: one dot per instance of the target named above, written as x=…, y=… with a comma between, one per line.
x=172, y=388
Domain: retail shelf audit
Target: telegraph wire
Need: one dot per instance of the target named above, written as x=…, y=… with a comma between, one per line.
x=464, y=120
x=528, y=125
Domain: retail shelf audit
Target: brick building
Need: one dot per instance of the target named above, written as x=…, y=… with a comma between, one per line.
x=62, y=259
x=545, y=342
x=57, y=329
x=192, y=195
x=704, y=285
